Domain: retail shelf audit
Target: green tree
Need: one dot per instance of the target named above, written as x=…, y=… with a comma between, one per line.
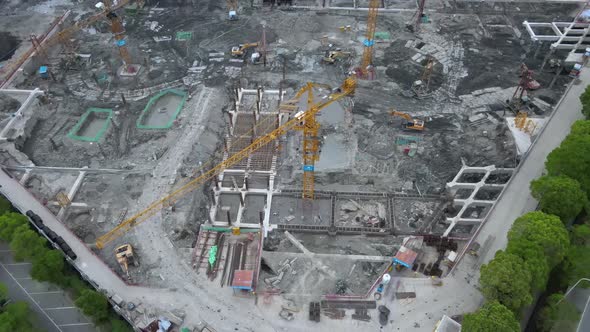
x=580, y=235
x=504, y=279
x=576, y=265
x=5, y=205
x=48, y=266
x=585, y=100
x=559, y=195
x=3, y=294
x=16, y=317
x=27, y=244
x=538, y=230
x=580, y=127
x=562, y=317
x=493, y=316
x=9, y=222
x=534, y=261
x=93, y=304
x=572, y=158
x=118, y=325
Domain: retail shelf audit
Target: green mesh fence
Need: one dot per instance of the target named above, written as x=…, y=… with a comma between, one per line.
x=149, y=108
x=92, y=114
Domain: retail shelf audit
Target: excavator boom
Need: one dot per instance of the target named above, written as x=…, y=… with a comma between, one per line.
x=411, y=123
x=347, y=88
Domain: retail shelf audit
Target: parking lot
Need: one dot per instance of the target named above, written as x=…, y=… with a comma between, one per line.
x=55, y=311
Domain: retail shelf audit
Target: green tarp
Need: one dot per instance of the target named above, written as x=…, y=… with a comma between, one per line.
x=183, y=35
x=212, y=255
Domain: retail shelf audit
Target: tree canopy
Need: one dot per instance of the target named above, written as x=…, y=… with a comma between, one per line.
x=5, y=205
x=536, y=231
x=585, y=100
x=48, y=266
x=16, y=317
x=9, y=222
x=576, y=265
x=504, y=279
x=572, y=157
x=93, y=304
x=558, y=317
x=580, y=235
x=559, y=195
x=26, y=243
x=493, y=316
x=118, y=325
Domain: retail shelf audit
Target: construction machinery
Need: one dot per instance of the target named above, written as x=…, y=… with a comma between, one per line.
x=366, y=70
x=125, y=257
x=40, y=45
x=232, y=8
x=304, y=119
x=332, y=56
x=411, y=123
x=240, y=50
x=421, y=86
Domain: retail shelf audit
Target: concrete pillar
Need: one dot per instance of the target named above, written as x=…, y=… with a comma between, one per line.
x=72, y=192
x=26, y=176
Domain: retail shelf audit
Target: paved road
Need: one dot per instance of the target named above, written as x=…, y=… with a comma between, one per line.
x=516, y=199
x=54, y=311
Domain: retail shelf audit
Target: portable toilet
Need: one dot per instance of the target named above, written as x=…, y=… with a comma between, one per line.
x=43, y=72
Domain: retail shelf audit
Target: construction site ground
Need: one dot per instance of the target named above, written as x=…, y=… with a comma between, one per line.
x=477, y=48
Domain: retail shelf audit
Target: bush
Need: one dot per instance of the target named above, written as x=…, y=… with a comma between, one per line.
x=559, y=195
x=505, y=280
x=493, y=316
x=27, y=244
x=16, y=317
x=9, y=222
x=558, y=317
x=48, y=266
x=93, y=304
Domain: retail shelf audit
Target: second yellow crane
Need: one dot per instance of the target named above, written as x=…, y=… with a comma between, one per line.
x=366, y=69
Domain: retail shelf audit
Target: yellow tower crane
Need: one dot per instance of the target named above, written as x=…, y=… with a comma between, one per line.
x=300, y=120
x=369, y=41
x=119, y=33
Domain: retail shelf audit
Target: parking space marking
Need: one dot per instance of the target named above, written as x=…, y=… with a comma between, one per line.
x=59, y=308
x=56, y=292
x=32, y=299
x=25, y=263
x=27, y=278
x=76, y=324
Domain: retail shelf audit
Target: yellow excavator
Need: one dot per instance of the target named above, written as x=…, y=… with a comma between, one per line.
x=240, y=50
x=411, y=123
x=125, y=256
x=332, y=56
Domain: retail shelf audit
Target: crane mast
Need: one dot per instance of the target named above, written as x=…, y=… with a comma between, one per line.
x=369, y=41
x=346, y=89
